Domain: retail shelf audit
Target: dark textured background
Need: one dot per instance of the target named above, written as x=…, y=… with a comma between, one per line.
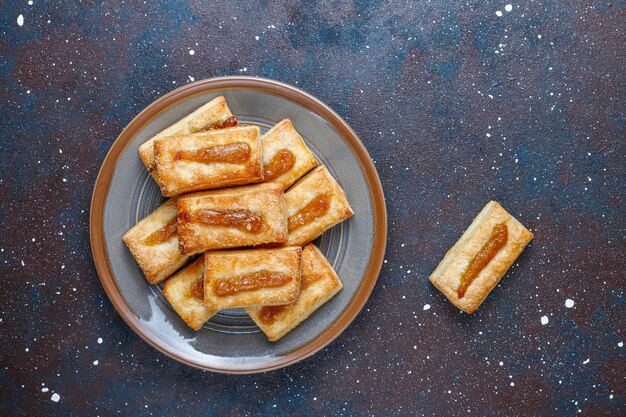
x=457, y=105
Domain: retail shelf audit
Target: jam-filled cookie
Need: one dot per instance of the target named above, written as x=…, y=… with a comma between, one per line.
x=216, y=159
x=477, y=262
x=248, y=278
x=153, y=242
x=232, y=217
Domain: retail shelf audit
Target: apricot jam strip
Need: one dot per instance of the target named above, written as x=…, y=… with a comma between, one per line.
x=231, y=121
x=499, y=236
x=162, y=235
x=314, y=209
x=280, y=163
x=244, y=220
x=233, y=153
x=250, y=282
x=268, y=313
x=197, y=290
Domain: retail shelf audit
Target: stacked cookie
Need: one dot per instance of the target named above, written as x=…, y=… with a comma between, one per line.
x=254, y=236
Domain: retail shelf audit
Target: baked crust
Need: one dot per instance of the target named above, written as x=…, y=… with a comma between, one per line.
x=447, y=276
x=157, y=261
x=182, y=291
x=266, y=201
x=319, y=284
x=177, y=176
x=231, y=267
x=284, y=137
x=316, y=183
x=212, y=112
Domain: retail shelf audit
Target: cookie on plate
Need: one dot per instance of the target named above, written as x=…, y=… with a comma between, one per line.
x=153, y=242
x=216, y=159
x=185, y=292
x=286, y=157
x=255, y=277
x=314, y=204
x=232, y=217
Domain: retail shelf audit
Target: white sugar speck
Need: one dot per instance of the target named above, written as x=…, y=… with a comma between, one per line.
x=569, y=303
x=512, y=384
x=99, y=340
x=498, y=13
x=95, y=362
x=426, y=307
x=20, y=20
x=586, y=361
x=539, y=36
x=508, y=7
x=55, y=397
x=192, y=52
x=44, y=389
x=501, y=363
x=544, y=320
x=256, y=37
x=30, y=2
x=620, y=344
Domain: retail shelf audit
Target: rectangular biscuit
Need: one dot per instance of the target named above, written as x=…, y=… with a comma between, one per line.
x=286, y=157
x=232, y=217
x=483, y=254
x=253, y=277
x=216, y=159
x=212, y=113
x=185, y=292
x=314, y=204
x=319, y=284
x=153, y=242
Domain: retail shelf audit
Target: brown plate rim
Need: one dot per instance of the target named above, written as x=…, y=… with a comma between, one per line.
x=101, y=189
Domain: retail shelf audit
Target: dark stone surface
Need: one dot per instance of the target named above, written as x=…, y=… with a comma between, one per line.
x=457, y=106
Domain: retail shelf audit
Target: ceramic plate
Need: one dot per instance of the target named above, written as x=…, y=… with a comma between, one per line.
x=230, y=342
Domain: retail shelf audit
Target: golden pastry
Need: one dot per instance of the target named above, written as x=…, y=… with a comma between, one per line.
x=314, y=204
x=153, y=242
x=286, y=157
x=477, y=262
x=247, y=278
x=215, y=159
x=185, y=292
x=232, y=217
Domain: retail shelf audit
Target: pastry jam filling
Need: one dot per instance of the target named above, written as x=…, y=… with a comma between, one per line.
x=499, y=236
x=314, y=209
x=250, y=282
x=268, y=313
x=233, y=153
x=232, y=121
x=162, y=235
x=282, y=162
x=244, y=220
x=197, y=290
